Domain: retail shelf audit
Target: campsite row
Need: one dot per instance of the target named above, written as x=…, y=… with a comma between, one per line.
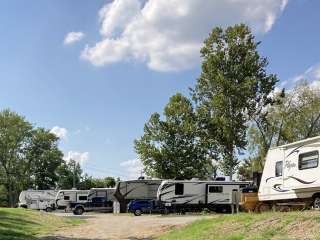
x=290, y=179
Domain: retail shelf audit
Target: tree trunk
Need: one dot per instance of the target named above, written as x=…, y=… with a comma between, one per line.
x=10, y=194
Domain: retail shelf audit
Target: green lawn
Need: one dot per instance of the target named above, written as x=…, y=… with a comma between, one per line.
x=18, y=223
x=272, y=225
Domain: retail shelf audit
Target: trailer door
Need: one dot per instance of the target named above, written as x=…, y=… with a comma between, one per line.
x=218, y=194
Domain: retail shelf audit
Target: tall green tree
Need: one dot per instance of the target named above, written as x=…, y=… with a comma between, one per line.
x=171, y=147
x=15, y=134
x=232, y=83
x=43, y=158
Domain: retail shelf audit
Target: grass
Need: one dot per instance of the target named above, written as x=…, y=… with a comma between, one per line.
x=251, y=226
x=18, y=223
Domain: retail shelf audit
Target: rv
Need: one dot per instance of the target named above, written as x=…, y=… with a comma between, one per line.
x=38, y=199
x=291, y=175
x=135, y=190
x=189, y=195
x=99, y=199
x=64, y=197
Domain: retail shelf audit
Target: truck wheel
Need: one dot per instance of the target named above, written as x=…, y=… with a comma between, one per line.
x=78, y=211
x=49, y=209
x=137, y=212
x=263, y=207
x=316, y=203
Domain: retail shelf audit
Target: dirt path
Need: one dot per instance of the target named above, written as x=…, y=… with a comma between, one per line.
x=109, y=226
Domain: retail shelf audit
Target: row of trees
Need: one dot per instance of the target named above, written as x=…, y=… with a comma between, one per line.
x=30, y=158
x=233, y=110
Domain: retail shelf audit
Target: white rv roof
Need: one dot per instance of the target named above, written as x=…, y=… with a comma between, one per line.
x=298, y=143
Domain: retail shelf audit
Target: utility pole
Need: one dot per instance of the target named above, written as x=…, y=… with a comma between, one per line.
x=74, y=174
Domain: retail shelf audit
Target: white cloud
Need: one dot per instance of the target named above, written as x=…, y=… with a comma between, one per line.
x=79, y=157
x=73, y=37
x=132, y=168
x=167, y=34
x=312, y=75
x=60, y=132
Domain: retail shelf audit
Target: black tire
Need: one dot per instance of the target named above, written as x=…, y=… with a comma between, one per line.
x=316, y=203
x=49, y=209
x=78, y=211
x=137, y=212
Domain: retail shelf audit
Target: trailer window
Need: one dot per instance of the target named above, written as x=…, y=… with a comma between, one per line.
x=66, y=198
x=83, y=198
x=179, y=189
x=278, y=169
x=215, y=189
x=308, y=160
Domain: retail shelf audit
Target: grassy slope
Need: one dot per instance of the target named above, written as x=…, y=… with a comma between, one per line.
x=17, y=223
x=273, y=225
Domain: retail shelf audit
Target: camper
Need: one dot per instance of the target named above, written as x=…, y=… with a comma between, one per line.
x=135, y=190
x=99, y=199
x=64, y=197
x=38, y=199
x=195, y=195
x=291, y=176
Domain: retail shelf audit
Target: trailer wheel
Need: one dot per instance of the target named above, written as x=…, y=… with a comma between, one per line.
x=316, y=202
x=137, y=212
x=49, y=209
x=78, y=211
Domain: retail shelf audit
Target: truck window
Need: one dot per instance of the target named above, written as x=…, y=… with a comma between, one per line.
x=215, y=189
x=279, y=169
x=83, y=198
x=179, y=189
x=308, y=160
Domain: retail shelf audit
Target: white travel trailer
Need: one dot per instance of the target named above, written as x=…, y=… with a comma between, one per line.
x=189, y=195
x=135, y=190
x=64, y=197
x=292, y=174
x=38, y=199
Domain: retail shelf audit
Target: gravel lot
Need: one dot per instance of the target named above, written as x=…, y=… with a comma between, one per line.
x=123, y=226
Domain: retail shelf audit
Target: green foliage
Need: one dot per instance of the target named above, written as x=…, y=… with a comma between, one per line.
x=43, y=159
x=233, y=82
x=171, y=147
x=292, y=117
x=69, y=173
x=15, y=134
x=88, y=182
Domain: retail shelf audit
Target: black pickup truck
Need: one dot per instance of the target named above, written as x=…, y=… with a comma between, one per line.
x=100, y=204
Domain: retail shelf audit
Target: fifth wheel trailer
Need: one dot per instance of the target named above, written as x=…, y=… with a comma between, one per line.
x=189, y=195
x=135, y=190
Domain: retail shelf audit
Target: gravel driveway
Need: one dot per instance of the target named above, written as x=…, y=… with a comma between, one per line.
x=109, y=226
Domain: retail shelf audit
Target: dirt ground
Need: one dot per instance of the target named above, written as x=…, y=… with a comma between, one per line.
x=123, y=226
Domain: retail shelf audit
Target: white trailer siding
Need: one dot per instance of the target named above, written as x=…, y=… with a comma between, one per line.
x=291, y=171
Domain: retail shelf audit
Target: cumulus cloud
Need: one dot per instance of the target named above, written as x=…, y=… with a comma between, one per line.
x=167, y=34
x=60, y=132
x=132, y=168
x=79, y=157
x=73, y=37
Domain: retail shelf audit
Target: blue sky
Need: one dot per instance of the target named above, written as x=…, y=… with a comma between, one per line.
x=98, y=90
